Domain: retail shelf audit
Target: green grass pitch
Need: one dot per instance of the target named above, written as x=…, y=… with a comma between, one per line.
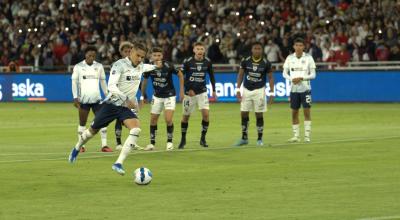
x=351, y=170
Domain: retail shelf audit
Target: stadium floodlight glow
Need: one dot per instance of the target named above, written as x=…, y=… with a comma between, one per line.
x=211, y=5
x=42, y=23
x=207, y=33
x=154, y=15
x=29, y=30
x=380, y=31
x=262, y=23
x=35, y=30
x=66, y=29
x=251, y=16
x=127, y=4
x=217, y=40
x=39, y=45
x=238, y=34
x=20, y=30
x=189, y=12
x=73, y=5
x=327, y=22
x=194, y=26
x=172, y=9
x=237, y=13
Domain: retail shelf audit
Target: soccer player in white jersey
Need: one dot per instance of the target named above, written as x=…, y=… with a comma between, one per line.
x=86, y=77
x=164, y=96
x=122, y=86
x=253, y=72
x=299, y=69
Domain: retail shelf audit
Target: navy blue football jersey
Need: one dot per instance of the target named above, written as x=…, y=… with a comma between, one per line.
x=195, y=75
x=162, y=80
x=255, y=73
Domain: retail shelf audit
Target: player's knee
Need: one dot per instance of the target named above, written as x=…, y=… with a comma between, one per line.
x=135, y=131
x=185, y=118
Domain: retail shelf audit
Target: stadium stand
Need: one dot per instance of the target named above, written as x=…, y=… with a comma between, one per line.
x=54, y=33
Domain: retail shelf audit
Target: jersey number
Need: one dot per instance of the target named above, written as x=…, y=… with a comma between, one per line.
x=308, y=99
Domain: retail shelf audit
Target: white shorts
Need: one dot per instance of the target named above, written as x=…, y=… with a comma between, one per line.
x=254, y=100
x=189, y=103
x=158, y=104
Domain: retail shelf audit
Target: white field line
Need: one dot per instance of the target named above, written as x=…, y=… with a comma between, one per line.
x=102, y=155
x=382, y=218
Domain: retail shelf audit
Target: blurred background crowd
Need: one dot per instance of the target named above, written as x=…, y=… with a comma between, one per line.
x=54, y=33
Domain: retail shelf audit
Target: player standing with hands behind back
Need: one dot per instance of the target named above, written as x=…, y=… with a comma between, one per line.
x=86, y=76
x=194, y=70
x=299, y=69
x=254, y=70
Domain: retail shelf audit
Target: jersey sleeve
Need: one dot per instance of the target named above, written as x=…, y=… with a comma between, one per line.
x=311, y=70
x=285, y=71
x=75, y=79
x=148, y=67
x=113, y=89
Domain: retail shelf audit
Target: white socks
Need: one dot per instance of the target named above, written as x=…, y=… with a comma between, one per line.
x=129, y=144
x=81, y=129
x=296, y=130
x=103, y=135
x=307, y=129
x=84, y=137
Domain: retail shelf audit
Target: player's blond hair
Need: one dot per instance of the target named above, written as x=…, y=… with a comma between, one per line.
x=125, y=44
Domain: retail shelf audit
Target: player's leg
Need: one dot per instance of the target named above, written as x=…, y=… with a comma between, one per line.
x=306, y=102
x=105, y=115
x=188, y=107
x=103, y=131
x=157, y=105
x=295, y=102
x=132, y=123
x=204, y=106
x=118, y=134
x=246, y=105
x=169, y=106
x=83, y=116
x=260, y=106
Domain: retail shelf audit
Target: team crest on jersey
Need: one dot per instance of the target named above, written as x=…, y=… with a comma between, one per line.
x=198, y=67
x=254, y=68
x=158, y=73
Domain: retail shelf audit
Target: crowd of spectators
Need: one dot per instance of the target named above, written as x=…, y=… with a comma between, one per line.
x=54, y=33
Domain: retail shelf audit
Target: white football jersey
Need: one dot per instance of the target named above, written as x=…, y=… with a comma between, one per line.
x=85, y=82
x=299, y=67
x=124, y=81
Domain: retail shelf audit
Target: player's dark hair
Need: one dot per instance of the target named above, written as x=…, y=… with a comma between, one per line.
x=91, y=48
x=298, y=40
x=256, y=43
x=156, y=50
x=139, y=46
x=198, y=44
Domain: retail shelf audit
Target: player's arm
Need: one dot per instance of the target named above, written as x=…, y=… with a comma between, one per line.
x=151, y=67
x=143, y=97
x=103, y=82
x=311, y=70
x=285, y=71
x=239, y=79
x=116, y=95
x=74, y=80
x=271, y=82
x=181, y=85
x=212, y=80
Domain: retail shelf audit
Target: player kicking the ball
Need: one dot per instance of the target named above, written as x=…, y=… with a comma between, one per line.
x=299, y=69
x=164, y=96
x=195, y=69
x=122, y=86
x=254, y=70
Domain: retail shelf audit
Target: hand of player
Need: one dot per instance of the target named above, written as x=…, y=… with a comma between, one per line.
x=297, y=80
x=191, y=93
x=214, y=94
x=238, y=96
x=271, y=100
x=130, y=104
x=77, y=104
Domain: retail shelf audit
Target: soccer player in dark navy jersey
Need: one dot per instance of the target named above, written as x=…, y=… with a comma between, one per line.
x=164, y=97
x=195, y=69
x=253, y=73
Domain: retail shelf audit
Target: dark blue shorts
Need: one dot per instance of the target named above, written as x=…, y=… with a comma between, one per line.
x=109, y=113
x=94, y=106
x=298, y=99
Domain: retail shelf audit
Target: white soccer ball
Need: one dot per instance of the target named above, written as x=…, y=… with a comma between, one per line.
x=143, y=176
